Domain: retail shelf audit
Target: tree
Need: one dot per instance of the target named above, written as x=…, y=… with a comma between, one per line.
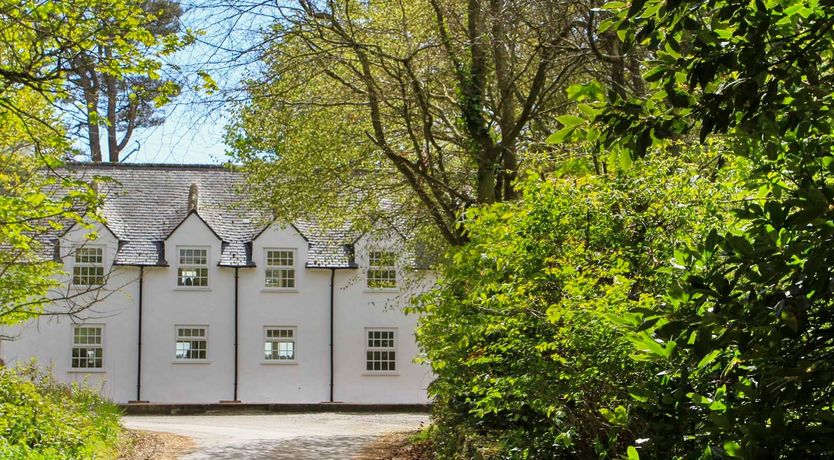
x=749, y=326
x=417, y=110
x=132, y=101
x=528, y=363
x=39, y=43
x=38, y=201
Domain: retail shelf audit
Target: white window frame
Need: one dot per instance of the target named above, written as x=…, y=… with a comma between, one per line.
x=193, y=266
x=281, y=268
x=269, y=340
x=183, y=338
x=82, y=265
x=87, y=346
x=372, y=275
x=371, y=347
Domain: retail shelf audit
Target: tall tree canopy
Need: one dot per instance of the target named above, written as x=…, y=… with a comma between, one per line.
x=40, y=45
x=123, y=103
x=415, y=108
x=734, y=338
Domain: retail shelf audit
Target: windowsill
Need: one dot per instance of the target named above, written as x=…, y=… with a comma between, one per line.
x=280, y=290
x=381, y=290
x=86, y=371
x=381, y=373
x=278, y=362
x=191, y=361
x=192, y=288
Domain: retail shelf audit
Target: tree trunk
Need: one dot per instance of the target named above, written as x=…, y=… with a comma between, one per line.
x=90, y=91
x=486, y=179
x=112, y=117
x=506, y=103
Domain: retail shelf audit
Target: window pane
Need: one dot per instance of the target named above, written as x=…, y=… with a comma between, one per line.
x=380, y=355
x=89, y=267
x=192, y=277
x=193, y=256
x=87, y=351
x=280, y=269
x=279, y=344
x=191, y=343
x=89, y=256
x=193, y=270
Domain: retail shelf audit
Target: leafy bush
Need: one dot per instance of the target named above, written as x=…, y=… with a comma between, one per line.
x=43, y=419
x=519, y=331
x=750, y=324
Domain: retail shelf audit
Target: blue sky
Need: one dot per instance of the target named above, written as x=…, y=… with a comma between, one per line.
x=195, y=125
x=183, y=138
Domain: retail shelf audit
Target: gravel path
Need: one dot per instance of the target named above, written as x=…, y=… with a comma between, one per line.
x=318, y=436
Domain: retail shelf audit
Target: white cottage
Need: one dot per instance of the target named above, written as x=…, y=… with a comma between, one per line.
x=203, y=301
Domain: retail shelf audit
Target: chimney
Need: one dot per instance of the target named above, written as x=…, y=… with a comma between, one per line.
x=192, y=198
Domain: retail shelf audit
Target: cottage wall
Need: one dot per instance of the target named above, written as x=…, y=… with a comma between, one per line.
x=306, y=308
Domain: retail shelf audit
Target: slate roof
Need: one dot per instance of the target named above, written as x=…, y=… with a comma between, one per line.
x=144, y=203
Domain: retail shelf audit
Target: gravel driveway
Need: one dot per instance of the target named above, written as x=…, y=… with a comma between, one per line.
x=318, y=436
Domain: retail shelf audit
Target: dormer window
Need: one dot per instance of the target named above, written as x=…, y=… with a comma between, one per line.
x=88, y=267
x=193, y=267
x=280, y=269
x=382, y=271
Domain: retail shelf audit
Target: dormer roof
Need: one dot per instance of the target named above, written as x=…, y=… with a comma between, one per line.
x=145, y=203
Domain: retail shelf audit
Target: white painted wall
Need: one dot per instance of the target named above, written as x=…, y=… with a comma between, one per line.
x=307, y=308
x=48, y=339
x=358, y=308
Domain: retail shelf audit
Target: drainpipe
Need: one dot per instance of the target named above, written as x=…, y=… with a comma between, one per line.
x=332, y=287
x=236, y=332
x=139, y=348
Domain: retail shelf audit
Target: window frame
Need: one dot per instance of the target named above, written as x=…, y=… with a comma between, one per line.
x=97, y=346
x=293, y=340
x=380, y=269
x=77, y=264
x=268, y=267
x=181, y=266
x=205, y=338
x=370, y=349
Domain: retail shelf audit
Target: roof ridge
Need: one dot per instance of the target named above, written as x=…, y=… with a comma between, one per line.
x=86, y=164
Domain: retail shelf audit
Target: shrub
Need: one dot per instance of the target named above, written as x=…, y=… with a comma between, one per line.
x=519, y=331
x=43, y=419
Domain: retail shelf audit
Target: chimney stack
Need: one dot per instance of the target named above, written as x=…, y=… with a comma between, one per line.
x=192, y=198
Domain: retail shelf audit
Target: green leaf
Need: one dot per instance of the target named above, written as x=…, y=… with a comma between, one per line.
x=794, y=9
x=619, y=416
x=560, y=136
x=570, y=120
x=708, y=359
x=638, y=394
x=588, y=110
x=733, y=449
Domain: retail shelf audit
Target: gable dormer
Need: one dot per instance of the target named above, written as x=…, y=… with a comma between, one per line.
x=193, y=248
x=280, y=251
x=87, y=251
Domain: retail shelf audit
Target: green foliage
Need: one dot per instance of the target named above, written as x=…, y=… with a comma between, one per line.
x=523, y=329
x=41, y=419
x=415, y=110
x=36, y=202
x=78, y=52
x=39, y=48
x=751, y=311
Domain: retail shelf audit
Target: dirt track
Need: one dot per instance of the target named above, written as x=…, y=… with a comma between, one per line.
x=318, y=436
